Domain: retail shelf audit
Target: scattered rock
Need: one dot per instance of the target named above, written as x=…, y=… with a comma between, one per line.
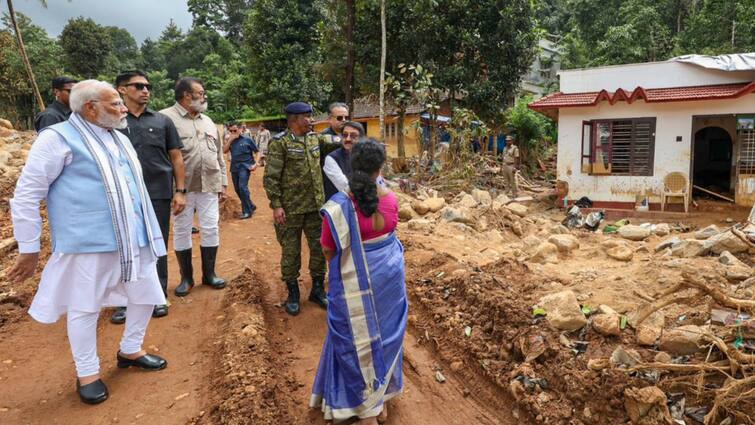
x=647, y=406
x=406, y=213
x=453, y=215
x=559, y=229
x=689, y=248
x=667, y=243
x=621, y=253
x=5, y=123
x=604, y=309
x=683, y=340
x=420, y=224
x=502, y=199
x=607, y=324
x=707, y=232
x=482, y=197
x=624, y=358
x=518, y=209
x=564, y=243
x=531, y=242
x=435, y=204
x=598, y=364
x=726, y=241
x=517, y=228
x=634, y=233
x=467, y=201
x=546, y=252
x=738, y=273
x=610, y=243
x=727, y=258
x=420, y=207
x=662, y=229
x=563, y=311
x=662, y=357
x=651, y=329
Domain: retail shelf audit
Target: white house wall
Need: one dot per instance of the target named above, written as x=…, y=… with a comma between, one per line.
x=672, y=120
x=646, y=75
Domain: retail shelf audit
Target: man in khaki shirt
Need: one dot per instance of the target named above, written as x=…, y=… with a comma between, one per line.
x=510, y=165
x=206, y=182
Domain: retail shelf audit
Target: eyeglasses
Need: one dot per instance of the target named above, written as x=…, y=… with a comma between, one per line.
x=351, y=136
x=116, y=104
x=66, y=90
x=140, y=86
x=200, y=94
x=340, y=117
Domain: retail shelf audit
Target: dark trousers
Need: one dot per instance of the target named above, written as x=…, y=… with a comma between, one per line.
x=240, y=179
x=162, y=211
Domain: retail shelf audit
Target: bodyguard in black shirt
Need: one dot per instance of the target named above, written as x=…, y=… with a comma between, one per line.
x=57, y=111
x=158, y=147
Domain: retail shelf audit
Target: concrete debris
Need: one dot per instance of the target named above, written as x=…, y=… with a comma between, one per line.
x=563, y=310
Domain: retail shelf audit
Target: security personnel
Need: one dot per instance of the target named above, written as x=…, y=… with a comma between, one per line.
x=293, y=182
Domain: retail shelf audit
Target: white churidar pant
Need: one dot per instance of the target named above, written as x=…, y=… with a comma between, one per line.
x=207, y=208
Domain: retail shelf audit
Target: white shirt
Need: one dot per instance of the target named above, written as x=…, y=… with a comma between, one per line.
x=335, y=174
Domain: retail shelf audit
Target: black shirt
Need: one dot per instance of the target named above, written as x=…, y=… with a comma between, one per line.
x=242, y=153
x=153, y=135
x=54, y=113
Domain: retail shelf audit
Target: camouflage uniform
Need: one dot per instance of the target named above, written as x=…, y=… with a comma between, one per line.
x=293, y=181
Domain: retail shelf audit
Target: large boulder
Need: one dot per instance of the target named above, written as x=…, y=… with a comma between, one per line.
x=726, y=241
x=620, y=253
x=563, y=310
x=728, y=259
x=662, y=229
x=684, y=340
x=482, y=197
x=435, y=204
x=518, y=209
x=546, y=252
x=406, y=212
x=634, y=233
x=559, y=229
x=707, y=232
x=651, y=329
x=607, y=324
x=458, y=215
x=467, y=201
x=689, y=248
x=564, y=243
x=420, y=207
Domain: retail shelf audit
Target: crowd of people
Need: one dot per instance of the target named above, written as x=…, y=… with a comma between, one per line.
x=113, y=172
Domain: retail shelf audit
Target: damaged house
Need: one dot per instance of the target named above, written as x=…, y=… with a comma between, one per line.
x=623, y=130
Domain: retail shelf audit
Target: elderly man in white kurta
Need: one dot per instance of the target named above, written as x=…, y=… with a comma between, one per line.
x=105, y=237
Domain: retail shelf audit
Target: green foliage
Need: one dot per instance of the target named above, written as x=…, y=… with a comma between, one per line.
x=87, y=47
x=162, y=89
x=533, y=131
x=224, y=16
x=280, y=42
x=125, y=53
x=721, y=26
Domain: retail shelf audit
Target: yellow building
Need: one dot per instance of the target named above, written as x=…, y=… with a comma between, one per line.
x=367, y=113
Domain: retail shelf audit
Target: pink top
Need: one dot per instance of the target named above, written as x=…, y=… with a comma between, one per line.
x=387, y=207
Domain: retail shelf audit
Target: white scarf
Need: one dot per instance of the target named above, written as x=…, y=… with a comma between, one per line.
x=118, y=194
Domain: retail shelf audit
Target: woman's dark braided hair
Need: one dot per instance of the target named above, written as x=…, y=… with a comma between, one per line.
x=367, y=158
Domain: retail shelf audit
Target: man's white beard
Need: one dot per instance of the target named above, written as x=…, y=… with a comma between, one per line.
x=109, y=121
x=198, y=107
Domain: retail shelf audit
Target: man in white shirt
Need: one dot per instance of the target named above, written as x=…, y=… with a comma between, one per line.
x=105, y=236
x=337, y=166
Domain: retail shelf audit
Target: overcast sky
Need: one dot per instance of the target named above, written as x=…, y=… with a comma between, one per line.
x=142, y=18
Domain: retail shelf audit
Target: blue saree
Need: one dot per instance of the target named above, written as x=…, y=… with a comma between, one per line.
x=361, y=361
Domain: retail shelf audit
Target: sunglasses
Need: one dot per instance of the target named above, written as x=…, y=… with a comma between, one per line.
x=140, y=86
x=340, y=117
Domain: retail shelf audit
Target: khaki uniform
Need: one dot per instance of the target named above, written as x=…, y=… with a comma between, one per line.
x=293, y=181
x=510, y=160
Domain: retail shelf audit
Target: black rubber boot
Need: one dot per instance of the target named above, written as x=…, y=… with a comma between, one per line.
x=318, y=294
x=187, y=273
x=292, y=302
x=209, y=253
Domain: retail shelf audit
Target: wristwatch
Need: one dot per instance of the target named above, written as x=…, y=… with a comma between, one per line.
x=181, y=190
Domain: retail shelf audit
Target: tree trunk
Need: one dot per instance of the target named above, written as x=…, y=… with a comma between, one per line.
x=351, y=11
x=24, y=57
x=400, y=133
x=383, y=49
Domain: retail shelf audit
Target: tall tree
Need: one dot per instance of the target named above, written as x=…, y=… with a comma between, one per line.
x=24, y=56
x=281, y=41
x=225, y=16
x=383, y=57
x=351, y=12
x=87, y=47
x=125, y=53
x=721, y=26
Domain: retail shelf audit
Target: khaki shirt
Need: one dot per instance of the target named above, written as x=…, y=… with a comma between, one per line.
x=511, y=154
x=202, y=151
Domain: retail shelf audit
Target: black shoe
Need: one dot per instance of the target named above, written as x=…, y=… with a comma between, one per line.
x=187, y=272
x=292, y=302
x=209, y=253
x=245, y=216
x=146, y=362
x=318, y=294
x=160, y=311
x=93, y=393
x=119, y=316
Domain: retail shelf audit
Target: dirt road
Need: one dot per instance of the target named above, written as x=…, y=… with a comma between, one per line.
x=37, y=373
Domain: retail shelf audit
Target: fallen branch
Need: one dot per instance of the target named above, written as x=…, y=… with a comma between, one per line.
x=740, y=234
x=719, y=296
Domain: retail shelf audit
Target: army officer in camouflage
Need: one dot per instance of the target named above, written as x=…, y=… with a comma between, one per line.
x=293, y=182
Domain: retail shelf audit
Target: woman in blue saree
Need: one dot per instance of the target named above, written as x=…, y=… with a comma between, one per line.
x=361, y=363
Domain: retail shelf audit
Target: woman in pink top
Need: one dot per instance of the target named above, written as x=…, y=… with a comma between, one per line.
x=361, y=362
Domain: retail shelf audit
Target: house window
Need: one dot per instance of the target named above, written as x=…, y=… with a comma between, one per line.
x=618, y=147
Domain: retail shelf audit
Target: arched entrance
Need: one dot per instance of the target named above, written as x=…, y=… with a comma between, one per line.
x=713, y=160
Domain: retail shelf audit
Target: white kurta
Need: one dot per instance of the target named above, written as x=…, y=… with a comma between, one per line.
x=80, y=282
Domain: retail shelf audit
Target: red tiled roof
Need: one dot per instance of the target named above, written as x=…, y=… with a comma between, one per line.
x=667, y=94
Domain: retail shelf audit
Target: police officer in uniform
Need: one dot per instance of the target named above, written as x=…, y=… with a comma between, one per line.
x=293, y=182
